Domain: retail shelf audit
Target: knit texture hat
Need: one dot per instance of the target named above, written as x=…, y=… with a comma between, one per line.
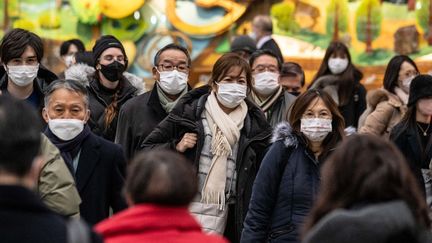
x=421, y=87
x=105, y=42
x=243, y=43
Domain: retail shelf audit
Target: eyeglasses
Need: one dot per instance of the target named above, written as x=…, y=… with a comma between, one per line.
x=184, y=68
x=262, y=68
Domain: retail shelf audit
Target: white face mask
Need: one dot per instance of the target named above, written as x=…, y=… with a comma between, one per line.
x=231, y=95
x=406, y=83
x=316, y=129
x=253, y=36
x=69, y=60
x=66, y=129
x=266, y=83
x=172, y=82
x=337, y=65
x=22, y=75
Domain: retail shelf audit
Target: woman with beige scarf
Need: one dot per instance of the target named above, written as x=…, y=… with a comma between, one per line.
x=225, y=136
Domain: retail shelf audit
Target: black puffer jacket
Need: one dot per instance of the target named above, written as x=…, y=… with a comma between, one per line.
x=255, y=136
x=98, y=105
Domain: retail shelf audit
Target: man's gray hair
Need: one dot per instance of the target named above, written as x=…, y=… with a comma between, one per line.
x=68, y=84
x=264, y=23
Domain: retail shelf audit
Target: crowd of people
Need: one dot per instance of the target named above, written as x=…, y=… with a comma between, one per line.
x=89, y=155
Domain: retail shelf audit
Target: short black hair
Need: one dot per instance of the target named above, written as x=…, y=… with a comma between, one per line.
x=293, y=68
x=267, y=52
x=64, y=48
x=161, y=177
x=171, y=46
x=15, y=42
x=20, y=136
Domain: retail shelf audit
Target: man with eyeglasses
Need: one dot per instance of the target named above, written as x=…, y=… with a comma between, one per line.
x=267, y=92
x=22, y=76
x=141, y=114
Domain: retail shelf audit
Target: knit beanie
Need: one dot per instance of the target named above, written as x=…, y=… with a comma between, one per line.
x=105, y=42
x=421, y=87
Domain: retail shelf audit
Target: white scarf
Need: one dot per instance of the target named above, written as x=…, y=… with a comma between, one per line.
x=225, y=134
x=402, y=95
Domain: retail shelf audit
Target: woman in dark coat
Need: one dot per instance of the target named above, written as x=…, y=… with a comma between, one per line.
x=413, y=134
x=288, y=179
x=225, y=136
x=339, y=77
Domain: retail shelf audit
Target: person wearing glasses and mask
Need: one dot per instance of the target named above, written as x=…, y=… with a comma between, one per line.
x=109, y=89
x=224, y=135
x=140, y=115
x=267, y=92
x=289, y=177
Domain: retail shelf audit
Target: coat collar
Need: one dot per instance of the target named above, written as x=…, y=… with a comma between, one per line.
x=89, y=158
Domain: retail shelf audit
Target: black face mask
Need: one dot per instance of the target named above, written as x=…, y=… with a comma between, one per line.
x=113, y=71
x=295, y=93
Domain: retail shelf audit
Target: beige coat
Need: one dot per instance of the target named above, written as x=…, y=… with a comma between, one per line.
x=56, y=185
x=384, y=111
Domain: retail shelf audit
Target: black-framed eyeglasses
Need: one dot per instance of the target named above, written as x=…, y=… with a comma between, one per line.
x=184, y=68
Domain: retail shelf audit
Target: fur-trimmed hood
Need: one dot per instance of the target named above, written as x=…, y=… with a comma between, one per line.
x=83, y=73
x=374, y=97
x=283, y=131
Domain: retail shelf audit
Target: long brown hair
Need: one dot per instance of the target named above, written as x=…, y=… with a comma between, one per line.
x=367, y=169
x=348, y=79
x=301, y=104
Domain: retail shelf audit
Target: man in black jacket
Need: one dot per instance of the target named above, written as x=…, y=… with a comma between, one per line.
x=24, y=218
x=262, y=29
x=141, y=114
x=97, y=164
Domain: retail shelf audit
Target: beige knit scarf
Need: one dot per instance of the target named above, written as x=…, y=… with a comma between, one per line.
x=225, y=130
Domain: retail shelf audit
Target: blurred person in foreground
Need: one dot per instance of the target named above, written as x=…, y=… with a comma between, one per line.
x=369, y=195
x=159, y=187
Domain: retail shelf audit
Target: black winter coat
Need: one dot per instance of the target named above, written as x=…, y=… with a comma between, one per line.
x=408, y=142
x=284, y=190
x=98, y=105
x=254, y=138
x=137, y=119
x=100, y=178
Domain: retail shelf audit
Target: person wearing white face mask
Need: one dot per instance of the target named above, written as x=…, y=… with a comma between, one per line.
x=21, y=74
x=68, y=49
x=224, y=135
x=341, y=79
x=289, y=177
x=97, y=164
x=139, y=116
x=386, y=106
x=267, y=93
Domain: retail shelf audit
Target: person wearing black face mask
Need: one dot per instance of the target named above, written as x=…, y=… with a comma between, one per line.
x=109, y=89
x=292, y=78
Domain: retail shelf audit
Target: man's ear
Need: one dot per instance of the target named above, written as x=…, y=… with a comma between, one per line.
x=87, y=116
x=155, y=74
x=45, y=114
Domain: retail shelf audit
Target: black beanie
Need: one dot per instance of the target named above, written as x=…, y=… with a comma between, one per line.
x=421, y=87
x=243, y=43
x=105, y=42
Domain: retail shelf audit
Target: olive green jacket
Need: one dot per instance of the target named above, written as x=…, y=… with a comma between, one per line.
x=56, y=185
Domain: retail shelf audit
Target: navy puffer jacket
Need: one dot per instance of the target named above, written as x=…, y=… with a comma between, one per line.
x=284, y=190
